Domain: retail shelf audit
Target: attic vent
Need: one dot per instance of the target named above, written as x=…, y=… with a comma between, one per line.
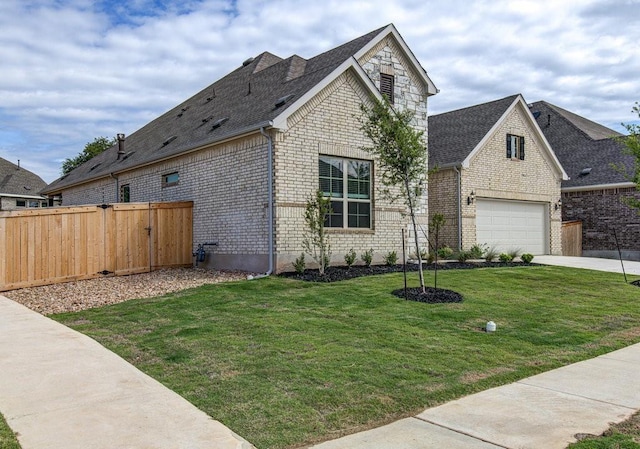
x=169, y=140
x=205, y=120
x=218, y=123
x=127, y=155
x=247, y=62
x=585, y=171
x=27, y=188
x=536, y=114
x=95, y=166
x=183, y=110
x=213, y=95
x=282, y=100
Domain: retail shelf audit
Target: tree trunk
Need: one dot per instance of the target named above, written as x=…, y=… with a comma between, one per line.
x=415, y=235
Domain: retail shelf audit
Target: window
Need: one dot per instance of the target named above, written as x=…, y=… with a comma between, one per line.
x=21, y=203
x=125, y=193
x=515, y=147
x=170, y=180
x=387, y=86
x=348, y=183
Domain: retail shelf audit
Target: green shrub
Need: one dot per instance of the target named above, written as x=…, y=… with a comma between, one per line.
x=505, y=258
x=445, y=252
x=490, y=254
x=462, y=256
x=367, y=257
x=477, y=251
x=299, y=264
x=424, y=255
x=526, y=258
x=350, y=258
x=391, y=258
x=514, y=253
x=431, y=258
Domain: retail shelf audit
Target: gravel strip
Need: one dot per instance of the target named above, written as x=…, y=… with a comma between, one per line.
x=86, y=294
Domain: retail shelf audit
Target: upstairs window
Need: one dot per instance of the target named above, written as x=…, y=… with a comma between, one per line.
x=387, y=83
x=125, y=193
x=515, y=147
x=348, y=183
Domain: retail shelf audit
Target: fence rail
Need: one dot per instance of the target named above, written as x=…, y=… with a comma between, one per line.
x=572, y=238
x=47, y=246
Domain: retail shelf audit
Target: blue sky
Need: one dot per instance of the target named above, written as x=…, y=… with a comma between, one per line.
x=73, y=70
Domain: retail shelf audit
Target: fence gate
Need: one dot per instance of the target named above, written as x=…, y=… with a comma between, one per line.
x=46, y=246
x=572, y=238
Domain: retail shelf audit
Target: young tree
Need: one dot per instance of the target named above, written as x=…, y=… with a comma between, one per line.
x=91, y=149
x=436, y=223
x=631, y=143
x=402, y=154
x=315, y=241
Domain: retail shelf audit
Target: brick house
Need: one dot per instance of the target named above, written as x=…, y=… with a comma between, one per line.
x=20, y=188
x=250, y=149
x=497, y=180
x=594, y=192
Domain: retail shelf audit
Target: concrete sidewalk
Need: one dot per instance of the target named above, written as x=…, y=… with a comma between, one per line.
x=591, y=263
x=62, y=390
x=539, y=412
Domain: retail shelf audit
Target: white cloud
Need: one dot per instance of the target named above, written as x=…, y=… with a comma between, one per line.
x=74, y=70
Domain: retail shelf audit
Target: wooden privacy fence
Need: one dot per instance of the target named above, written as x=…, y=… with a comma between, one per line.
x=46, y=246
x=572, y=238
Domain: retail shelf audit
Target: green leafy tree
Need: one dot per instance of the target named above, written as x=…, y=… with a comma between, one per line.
x=631, y=144
x=315, y=241
x=91, y=149
x=402, y=154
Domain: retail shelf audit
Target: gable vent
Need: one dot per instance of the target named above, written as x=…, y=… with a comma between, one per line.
x=282, y=100
x=218, y=123
x=169, y=140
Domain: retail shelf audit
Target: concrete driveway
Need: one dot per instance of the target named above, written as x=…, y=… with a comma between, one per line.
x=591, y=263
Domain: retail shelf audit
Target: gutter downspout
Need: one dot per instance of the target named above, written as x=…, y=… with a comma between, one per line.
x=117, y=187
x=457, y=169
x=270, y=202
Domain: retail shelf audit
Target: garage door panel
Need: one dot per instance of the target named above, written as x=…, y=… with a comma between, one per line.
x=509, y=225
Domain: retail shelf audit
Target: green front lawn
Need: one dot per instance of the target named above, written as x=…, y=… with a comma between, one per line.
x=8, y=439
x=284, y=362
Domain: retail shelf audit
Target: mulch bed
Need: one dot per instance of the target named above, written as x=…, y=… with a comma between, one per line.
x=431, y=295
x=636, y=283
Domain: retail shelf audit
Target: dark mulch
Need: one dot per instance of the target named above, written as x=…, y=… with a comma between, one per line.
x=636, y=283
x=431, y=295
x=334, y=274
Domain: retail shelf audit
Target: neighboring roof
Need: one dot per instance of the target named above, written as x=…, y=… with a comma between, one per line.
x=455, y=137
x=15, y=180
x=582, y=144
x=257, y=94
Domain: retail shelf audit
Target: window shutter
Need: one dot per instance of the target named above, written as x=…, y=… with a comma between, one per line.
x=508, y=146
x=521, y=148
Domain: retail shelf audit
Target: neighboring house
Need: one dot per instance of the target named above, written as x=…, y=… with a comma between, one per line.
x=594, y=192
x=497, y=180
x=261, y=141
x=20, y=188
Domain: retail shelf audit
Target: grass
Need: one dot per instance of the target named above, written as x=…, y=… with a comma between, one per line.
x=624, y=435
x=285, y=363
x=8, y=439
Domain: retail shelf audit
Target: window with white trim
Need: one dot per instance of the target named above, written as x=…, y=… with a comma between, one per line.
x=171, y=179
x=348, y=183
x=515, y=147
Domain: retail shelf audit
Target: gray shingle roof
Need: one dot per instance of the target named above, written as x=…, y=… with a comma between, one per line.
x=245, y=97
x=453, y=135
x=580, y=143
x=16, y=180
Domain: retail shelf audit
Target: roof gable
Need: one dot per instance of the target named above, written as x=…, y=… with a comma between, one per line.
x=456, y=137
x=263, y=92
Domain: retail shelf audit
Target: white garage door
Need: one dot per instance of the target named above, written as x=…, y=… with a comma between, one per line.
x=510, y=225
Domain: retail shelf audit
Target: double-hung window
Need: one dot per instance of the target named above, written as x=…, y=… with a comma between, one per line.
x=515, y=147
x=348, y=183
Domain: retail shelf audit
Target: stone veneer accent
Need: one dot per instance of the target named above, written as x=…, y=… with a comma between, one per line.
x=492, y=175
x=601, y=211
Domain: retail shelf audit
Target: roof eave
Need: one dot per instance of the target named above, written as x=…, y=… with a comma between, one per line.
x=617, y=185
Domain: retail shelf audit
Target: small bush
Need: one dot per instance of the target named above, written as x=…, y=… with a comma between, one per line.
x=391, y=258
x=367, y=257
x=350, y=258
x=445, y=252
x=526, y=258
x=477, y=251
x=431, y=257
x=462, y=256
x=490, y=254
x=514, y=253
x=505, y=258
x=299, y=264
